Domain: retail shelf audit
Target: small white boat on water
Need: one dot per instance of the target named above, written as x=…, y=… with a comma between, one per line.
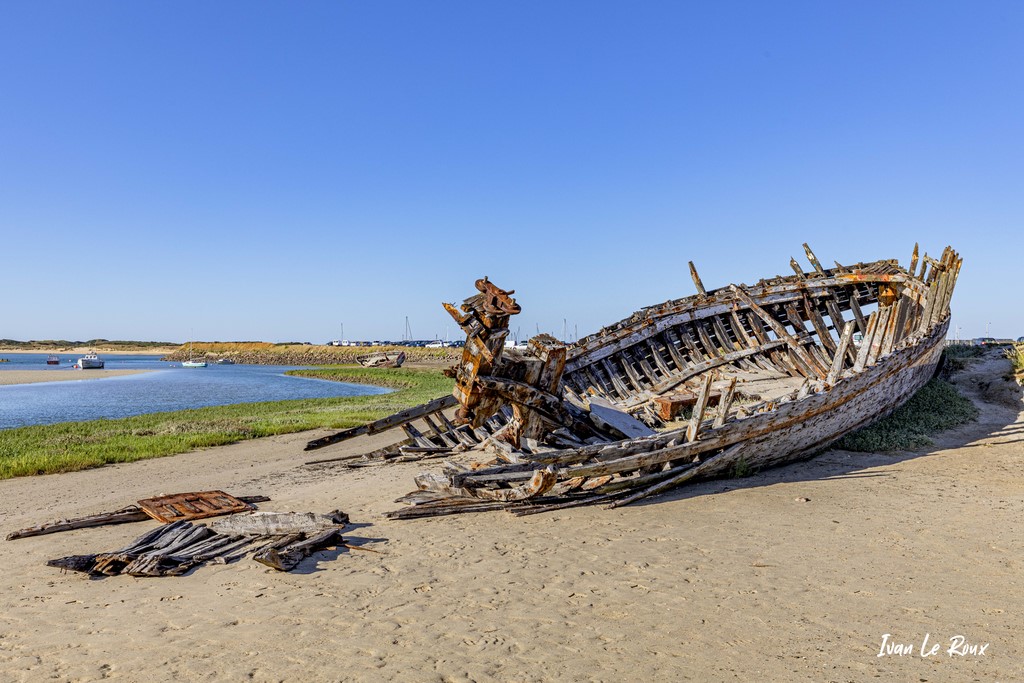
x=192, y=362
x=90, y=361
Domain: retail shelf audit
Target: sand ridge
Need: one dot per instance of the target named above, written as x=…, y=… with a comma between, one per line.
x=8, y=377
x=793, y=574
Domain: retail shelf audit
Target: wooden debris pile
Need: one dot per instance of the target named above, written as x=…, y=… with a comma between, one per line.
x=278, y=540
x=179, y=506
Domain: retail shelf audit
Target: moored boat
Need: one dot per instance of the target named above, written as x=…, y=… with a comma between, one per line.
x=53, y=360
x=725, y=381
x=90, y=361
x=192, y=362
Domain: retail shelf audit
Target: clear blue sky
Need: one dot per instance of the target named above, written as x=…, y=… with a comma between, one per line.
x=271, y=171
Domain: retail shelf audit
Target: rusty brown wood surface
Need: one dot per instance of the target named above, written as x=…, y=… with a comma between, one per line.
x=187, y=506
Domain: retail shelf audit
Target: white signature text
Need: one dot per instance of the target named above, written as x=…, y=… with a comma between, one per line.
x=959, y=646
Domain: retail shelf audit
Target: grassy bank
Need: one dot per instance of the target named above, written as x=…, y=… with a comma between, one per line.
x=957, y=357
x=936, y=407
x=69, y=446
x=1016, y=355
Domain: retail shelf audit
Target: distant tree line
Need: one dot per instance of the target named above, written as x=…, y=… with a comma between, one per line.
x=64, y=343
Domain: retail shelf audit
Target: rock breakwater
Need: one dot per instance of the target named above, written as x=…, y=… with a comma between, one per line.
x=302, y=354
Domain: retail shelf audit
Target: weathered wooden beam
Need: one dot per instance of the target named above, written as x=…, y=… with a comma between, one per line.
x=814, y=260
x=364, y=457
x=794, y=317
x=427, y=450
x=710, y=347
x=673, y=345
x=684, y=474
x=577, y=502
x=417, y=436
x=929, y=306
x=779, y=330
x=704, y=366
x=937, y=266
x=703, y=396
x=132, y=513
x=659, y=360
x=865, y=344
x=288, y=557
x=725, y=403
x=696, y=280
x=727, y=342
x=447, y=506
x=548, y=405
x=687, y=335
x=629, y=372
x=819, y=325
x=891, y=328
x=839, y=323
x=740, y=331
x=439, y=432
x=839, y=359
x=796, y=268
x=636, y=356
x=389, y=422
x=858, y=315
x=955, y=266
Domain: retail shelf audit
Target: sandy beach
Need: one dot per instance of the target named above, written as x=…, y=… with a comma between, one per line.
x=794, y=574
x=61, y=375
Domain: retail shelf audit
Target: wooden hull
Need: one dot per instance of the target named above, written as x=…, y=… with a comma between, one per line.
x=799, y=429
x=596, y=421
x=382, y=360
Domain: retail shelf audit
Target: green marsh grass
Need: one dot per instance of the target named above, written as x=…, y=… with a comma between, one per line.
x=69, y=446
x=938, y=406
x=1016, y=355
x=957, y=357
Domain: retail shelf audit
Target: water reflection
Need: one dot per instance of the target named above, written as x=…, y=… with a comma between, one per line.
x=168, y=387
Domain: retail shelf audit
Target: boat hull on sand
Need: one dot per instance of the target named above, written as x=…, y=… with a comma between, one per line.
x=721, y=383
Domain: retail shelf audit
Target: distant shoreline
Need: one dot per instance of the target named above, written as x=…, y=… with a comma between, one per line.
x=148, y=351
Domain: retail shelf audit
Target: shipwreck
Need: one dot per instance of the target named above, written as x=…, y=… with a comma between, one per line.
x=381, y=359
x=726, y=381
